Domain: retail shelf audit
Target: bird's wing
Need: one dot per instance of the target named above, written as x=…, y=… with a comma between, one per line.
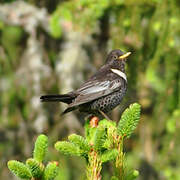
x=96, y=88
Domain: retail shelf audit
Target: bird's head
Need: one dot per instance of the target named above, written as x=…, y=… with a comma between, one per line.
x=117, y=58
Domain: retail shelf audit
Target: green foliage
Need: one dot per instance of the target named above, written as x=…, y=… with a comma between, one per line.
x=131, y=175
x=35, y=167
x=51, y=171
x=40, y=148
x=129, y=120
x=102, y=143
x=109, y=155
x=108, y=124
x=55, y=28
x=135, y=174
x=114, y=178
x=79, y=141
x=19, y=169
x=89, y=133
x=99, y=138
x=90, y=11
x=68, y=148
x=11, y=37
x=172, y=122
x=111, y=130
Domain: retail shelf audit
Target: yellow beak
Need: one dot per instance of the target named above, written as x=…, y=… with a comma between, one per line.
x=124, y=55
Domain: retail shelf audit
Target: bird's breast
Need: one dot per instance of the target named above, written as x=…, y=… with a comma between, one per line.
x=109, y=102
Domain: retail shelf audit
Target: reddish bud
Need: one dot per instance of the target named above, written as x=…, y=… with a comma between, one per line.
x=55, y=162
x=94, y=121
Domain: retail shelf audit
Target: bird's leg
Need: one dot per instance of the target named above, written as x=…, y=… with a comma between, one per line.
x=103, y=114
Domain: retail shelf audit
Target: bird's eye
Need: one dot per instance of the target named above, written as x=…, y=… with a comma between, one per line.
x=115, y=57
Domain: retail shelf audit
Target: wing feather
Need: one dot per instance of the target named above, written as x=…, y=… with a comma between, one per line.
x=102, y=83
x=94, y=89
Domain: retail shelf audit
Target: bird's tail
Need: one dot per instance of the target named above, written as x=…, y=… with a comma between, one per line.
x=66, y=98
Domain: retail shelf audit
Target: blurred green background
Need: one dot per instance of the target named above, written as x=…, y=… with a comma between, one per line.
x=51, y=47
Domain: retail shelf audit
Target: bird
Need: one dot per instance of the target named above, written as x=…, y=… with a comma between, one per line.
x=102, y=92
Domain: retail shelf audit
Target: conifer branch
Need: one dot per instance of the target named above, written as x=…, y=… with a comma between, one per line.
x=40, y=148
x=129, y=120
x=68, y=148
x=51, y=171
x=81, y=142
x=19, y=169
x=103, y=142
x=94, y=166
x=34, y=168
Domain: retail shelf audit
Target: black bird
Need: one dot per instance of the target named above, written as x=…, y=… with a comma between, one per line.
x=100, y=93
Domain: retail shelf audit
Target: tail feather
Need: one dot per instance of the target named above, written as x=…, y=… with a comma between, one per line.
x=66, y=98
